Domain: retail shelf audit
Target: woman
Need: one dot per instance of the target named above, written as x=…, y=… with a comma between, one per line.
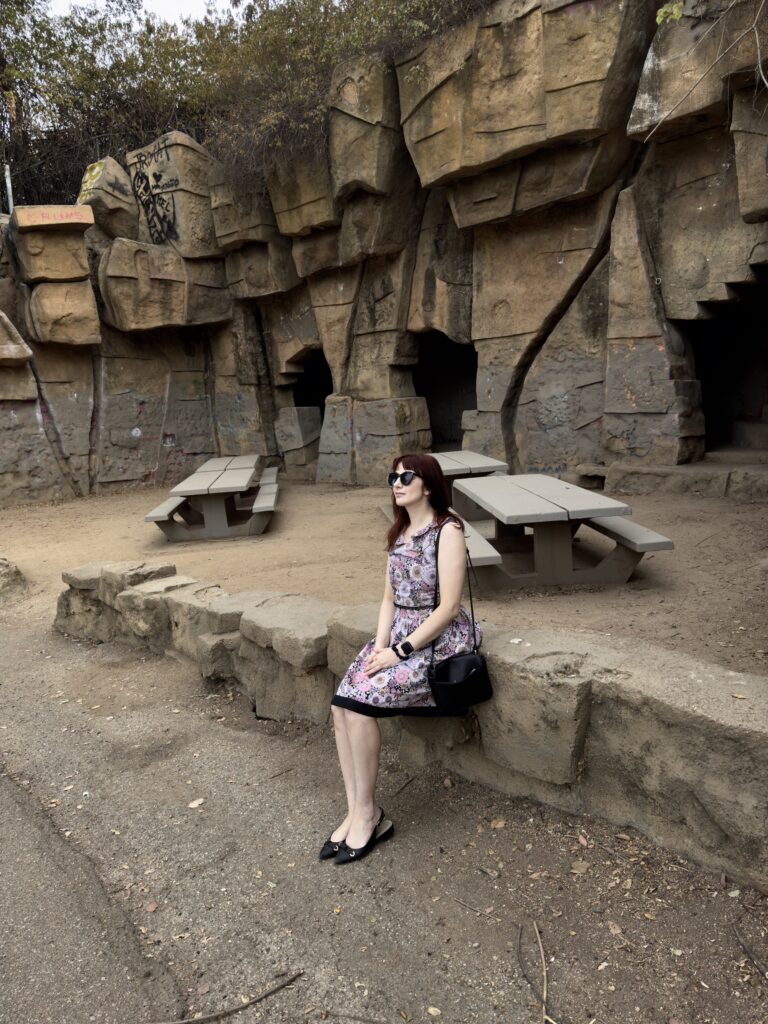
x=389, y=676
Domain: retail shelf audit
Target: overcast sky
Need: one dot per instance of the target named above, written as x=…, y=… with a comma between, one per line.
x=170, y=10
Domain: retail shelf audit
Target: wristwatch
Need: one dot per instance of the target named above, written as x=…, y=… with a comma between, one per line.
x=406, y=647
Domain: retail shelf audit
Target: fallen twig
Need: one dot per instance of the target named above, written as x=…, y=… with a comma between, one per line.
x=762, y=967
x=239, y=1009
x=351, y=1016
x=545, y=1018
x=406, y=783
x=283, y=772
x=474, y=910
x=523, y=971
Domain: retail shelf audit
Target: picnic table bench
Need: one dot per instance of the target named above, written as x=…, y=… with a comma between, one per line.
x=553, y=511
x=480, y=550
x=220, y=499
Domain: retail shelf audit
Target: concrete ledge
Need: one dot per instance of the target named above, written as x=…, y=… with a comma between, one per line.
x=676, y=748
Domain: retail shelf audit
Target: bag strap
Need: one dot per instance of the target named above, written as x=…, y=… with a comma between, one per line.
x=470, y=570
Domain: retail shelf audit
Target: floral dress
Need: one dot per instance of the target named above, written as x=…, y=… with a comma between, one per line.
x=404, y=689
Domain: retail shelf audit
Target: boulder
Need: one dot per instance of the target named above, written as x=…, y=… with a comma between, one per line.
x=215, y=655
x=749, y=126
x=48, y=242
x=364, y=127
x=63, y=313
x=259, y=269
x=302, y=196
x=147, y=286
x=106, y=188
x=241, y=212
x=441, y=293
x=12, y=581
x=80, y=613
x=171, y=182
x=14, y=351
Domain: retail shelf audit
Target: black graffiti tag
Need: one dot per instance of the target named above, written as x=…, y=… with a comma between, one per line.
x=158, y=208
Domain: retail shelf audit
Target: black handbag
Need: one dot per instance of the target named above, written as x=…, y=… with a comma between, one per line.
x=462, y=680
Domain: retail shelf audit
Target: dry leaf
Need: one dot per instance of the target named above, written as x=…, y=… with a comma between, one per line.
x=649, y=916
x=739, y=696
x=434, y=1012
x=151, y=907
x=677, y=952
x=202, y=989
x=603, y=965
x=196, y=803
x=613, y=928
x=499, y=823
x=580, y=867
x=583, y=840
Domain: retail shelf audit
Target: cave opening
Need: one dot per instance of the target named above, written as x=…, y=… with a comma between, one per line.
x=314, y=383
x=446, y=376
x=730, y=353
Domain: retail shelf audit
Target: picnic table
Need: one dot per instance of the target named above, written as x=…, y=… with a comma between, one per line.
x=464, y=463
x=220, y=499
x=553, y=510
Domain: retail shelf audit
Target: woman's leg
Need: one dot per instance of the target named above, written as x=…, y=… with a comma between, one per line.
x=364, y=739
x=347, y=768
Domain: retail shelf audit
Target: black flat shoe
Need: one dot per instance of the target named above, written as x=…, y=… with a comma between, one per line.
x=382, y=831
x=329, y=849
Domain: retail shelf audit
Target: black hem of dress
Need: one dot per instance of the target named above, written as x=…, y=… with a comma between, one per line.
x=375, y=711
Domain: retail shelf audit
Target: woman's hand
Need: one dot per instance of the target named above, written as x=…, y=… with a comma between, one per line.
x=380, y=658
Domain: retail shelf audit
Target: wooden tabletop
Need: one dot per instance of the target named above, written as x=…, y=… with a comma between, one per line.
x=466, y=463
x=530, y=498
x=230, y=474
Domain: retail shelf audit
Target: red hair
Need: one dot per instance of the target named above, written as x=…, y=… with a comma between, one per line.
x=428, y=468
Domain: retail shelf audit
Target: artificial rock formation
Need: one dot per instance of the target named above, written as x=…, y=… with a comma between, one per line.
x=557, y=211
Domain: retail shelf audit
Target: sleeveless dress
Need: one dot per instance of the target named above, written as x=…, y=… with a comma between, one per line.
x=404, y=689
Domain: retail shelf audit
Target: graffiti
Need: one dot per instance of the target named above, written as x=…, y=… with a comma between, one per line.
x=146, y=157
x=90, y=178
x=159, y=209
x=158, y=185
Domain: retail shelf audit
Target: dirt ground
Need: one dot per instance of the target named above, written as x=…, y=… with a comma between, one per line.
x=708, y=597
x=437, y=925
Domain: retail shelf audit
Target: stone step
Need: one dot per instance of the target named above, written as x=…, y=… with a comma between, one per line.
x=750, y=434
x=730, y=454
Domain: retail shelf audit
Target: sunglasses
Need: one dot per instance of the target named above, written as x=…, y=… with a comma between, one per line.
x=405, y=478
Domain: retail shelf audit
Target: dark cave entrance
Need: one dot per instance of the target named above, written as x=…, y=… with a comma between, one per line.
x=730, y=352
x=314, y=383
x=446, y=376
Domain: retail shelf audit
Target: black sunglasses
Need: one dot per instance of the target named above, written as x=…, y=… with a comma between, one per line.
x=405, y=478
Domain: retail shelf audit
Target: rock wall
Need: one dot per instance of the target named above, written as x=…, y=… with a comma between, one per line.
x=560, y=186
x=663, y=746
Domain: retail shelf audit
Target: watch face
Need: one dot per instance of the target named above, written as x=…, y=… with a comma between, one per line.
x=406, y=648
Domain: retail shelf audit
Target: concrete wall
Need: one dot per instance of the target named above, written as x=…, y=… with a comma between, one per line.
x=674, y=748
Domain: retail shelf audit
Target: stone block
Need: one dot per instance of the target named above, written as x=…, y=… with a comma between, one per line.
x=148, y=286
x=80, y=613
x=374, y=225
x=106, y=188
x=383, y=430
x=226, y=611
x=483, y=433
x=541, y=255
x=349, y=630
x=592, y=55
x=441, y=293
x=171, y=182
x=571, y=172
x=363, y=127
x=485, y=197
x=295, y=627
x=296, y=427
x=14, y=351
x=474, y=97
x=215, y=655
x=538, y=719
x=257, y=669
x=17, y=384
x=144, y=612
x=749, y=126
x=241, y=212
x=334, y=299
x=385, y=293
x=391, y=417
x=316, y=252
x=379, y=366
x=189, y=614
x=48, y=252
x=259, y=269
x=118, y=576
x=64, y=313
x=290, y=328
x=302, y=196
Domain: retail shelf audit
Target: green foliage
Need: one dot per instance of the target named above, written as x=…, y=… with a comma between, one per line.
x=669, y=12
